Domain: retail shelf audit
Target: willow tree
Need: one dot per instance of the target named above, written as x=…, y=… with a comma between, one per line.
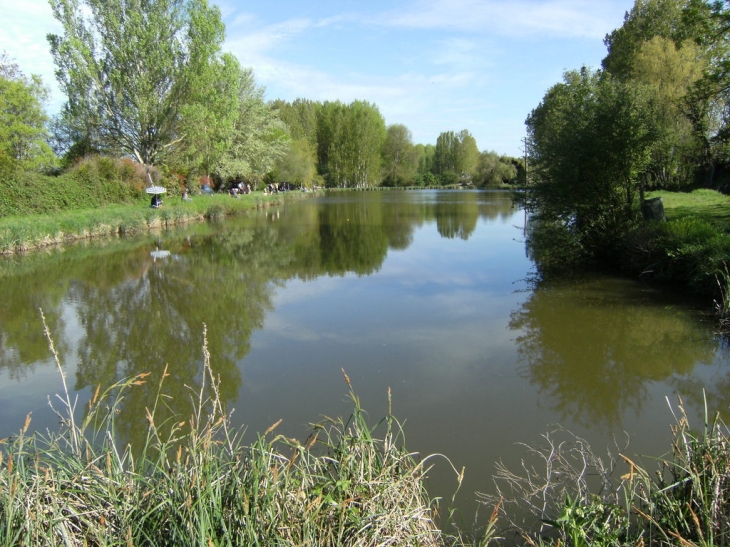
x=130, y=67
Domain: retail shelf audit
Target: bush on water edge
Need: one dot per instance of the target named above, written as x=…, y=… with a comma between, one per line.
x=689, y=251
x=686, y=252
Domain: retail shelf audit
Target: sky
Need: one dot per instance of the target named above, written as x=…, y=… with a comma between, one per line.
x=431, y=65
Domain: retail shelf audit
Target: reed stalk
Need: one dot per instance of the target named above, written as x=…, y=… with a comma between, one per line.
x=195, y=482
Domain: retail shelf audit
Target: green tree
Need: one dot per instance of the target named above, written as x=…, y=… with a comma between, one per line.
x=710, y=100
x=455, y=154
x=399, y=158
x=23, y=132
x=445, y=155
x=300, y=117
x=589, y=141
x=130, y=67
x=647, y=19
x=208, y=120
x=670, y=73
x=349, y=143
x=494, y=170
x=424, y=158
x=259, y=138
x=298, y=164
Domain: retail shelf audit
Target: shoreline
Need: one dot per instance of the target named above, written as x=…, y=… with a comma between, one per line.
x=28, y=233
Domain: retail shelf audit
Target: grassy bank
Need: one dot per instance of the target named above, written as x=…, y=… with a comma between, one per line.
x=22, y=233
x=101, y=196
x=690, y=251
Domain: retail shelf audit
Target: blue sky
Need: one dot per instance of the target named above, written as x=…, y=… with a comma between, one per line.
x=432, y=65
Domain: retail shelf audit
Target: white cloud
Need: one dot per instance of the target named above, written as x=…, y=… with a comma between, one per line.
x=583, y=18
x=23, y=29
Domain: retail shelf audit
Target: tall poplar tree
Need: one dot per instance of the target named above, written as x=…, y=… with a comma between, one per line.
x=349, y=143
x=399, y=158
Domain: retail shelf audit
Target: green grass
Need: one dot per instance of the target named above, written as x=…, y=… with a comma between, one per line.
x=707, y=205
x=26, y=232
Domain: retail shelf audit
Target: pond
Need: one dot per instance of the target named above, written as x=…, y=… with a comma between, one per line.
x=430, y=294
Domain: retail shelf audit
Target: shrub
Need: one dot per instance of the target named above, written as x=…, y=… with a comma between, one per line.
x=686, y=251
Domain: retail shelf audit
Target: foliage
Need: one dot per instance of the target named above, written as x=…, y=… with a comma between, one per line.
x=589, y=142
x=195, y=482
x=129, y=69
x=647, y=19
x=300, y=117
x=495, y=170
x=425, y=154
x=93, y=183
x=687, y=251
x=680, y=48
x=455, y=153
x=399, y=159
x=669, y=73
x=298, y=164
x=349, y=142
x=258, y=139
x=690, y=249
x=23, y=132
x=208, y=119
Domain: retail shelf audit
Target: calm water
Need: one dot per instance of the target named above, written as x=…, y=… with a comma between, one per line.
x=427, y=293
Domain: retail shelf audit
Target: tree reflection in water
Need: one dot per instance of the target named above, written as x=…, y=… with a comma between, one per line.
x=592, y=356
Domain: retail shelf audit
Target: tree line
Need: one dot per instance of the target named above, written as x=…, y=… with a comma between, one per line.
x=656, y=115
x=149, y=81
x=349, y=145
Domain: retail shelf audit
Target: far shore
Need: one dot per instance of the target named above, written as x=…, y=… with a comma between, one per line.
x=30, y=232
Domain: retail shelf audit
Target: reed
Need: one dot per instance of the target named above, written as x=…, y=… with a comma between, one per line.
x=566, y=495
x=722, y=303
x=195, y=482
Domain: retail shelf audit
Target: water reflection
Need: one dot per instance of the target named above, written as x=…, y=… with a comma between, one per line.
x=125, y=309
x=418, y=291
x=593, y=346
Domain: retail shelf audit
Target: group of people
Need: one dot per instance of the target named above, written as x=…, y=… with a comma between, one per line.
x=240, y=188
x=235, y=191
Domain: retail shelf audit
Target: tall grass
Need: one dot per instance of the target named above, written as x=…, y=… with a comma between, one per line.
x=565, y=494
x=195, y=482
x=722, y=303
